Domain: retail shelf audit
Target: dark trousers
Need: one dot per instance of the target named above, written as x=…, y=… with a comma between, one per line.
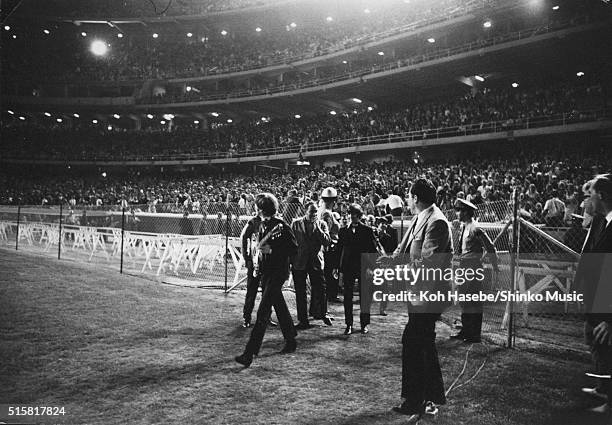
x=602, y=360
x=365, y=299
x=272, y=296
x=471, y=312
x=318, y=295
x=421, y=374
x=328, y=270
x=251, y=294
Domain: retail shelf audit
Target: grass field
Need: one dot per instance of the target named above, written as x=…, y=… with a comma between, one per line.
x=119, y=349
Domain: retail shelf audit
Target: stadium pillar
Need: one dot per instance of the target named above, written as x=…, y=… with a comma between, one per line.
x=59, y=236
x=17, y=232
x=122, y=234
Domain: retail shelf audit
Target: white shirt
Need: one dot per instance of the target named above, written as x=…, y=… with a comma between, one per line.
x=608, y=218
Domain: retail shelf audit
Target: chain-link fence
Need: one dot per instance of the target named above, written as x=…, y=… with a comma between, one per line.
x=200, y=245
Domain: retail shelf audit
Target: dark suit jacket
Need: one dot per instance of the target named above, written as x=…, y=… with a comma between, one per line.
x=388, y=239
x=249, y=229
x=283, y=247
x=352, y=244
x=309, y=253
x=594, y=272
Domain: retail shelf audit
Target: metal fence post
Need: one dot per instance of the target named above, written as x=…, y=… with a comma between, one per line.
x=17, y=232
x=513, y=252
x=227, y=219
x=59, y=239
x=122, y=238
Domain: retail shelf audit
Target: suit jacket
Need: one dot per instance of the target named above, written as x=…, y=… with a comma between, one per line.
x=309, y=247
x=594, y=272
x=429, y=243
x=333, y=226
x=283, y=246
x=388, y=239
x=249, y=229
x=351, y=244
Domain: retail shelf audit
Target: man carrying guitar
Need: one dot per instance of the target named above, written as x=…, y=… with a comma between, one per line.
x=277, y=245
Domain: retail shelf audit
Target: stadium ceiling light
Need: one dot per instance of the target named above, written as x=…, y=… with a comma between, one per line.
x=94, y=121
x=555, y=7
x=370, y=108
x=59, y=120
x=162, y=122
x=83, y=34
x=329, y=19
x=155, y=35
x=149, y=116
x=119, y=35
x=332, y=112
x=46, y=31
x=431, y=40
x=515, y=85
x=104, y=173
x=188, y=88
x=229, y=120
x=10, y=112
x=204, y=39
x=487, y=24
x=258, y=29
x=293, y=25
x=168, y=117
x=479, y=78
x=7, y=28
x=22, y=118
x=196, y=122
x=356, y=100
x=344, y=62
x=381, y=53
x=214, y=114
x=355, y=111
x=223, y=32
x=99, y=48
x=109, y=128
x=47, y=114
x=117, y=116
x=189, y=35
x=76, y=115
x=14, y=36
x=580, y=74
x=297, y=116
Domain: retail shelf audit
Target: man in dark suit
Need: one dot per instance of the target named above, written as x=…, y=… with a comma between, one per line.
x=353, y=241
x=311, y=235
x=593, y=279
x=427, y=243
x=248, y=238
x=276, y=246
x=473, y=245
x=330, y=252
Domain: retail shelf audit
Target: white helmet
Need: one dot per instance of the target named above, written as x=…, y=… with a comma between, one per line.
x=329, y=192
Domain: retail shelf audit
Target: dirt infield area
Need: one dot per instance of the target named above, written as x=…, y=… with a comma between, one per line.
x=115, y=349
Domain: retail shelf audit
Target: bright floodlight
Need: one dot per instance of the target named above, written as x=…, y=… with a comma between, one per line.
x=229, y=120
x=479, y=78
x=99, y=47
x=117, y=116
x=10, y=112
x=14, y=36
x=47, y=114
x=258, y=29
x=515, y=85
x=149, y=116
x=76, y=115
x=120, y=35
x=94, y=121
x=370, y=108
x=332, y=112
x=22, y=118
x=214, y=114
x=83, y=34
x=7, y=28
x=298, y=116
x=46, y=31
x=580, y=74
x=487, y=24
x=109, y=128
x=293, y=25
x=59, y=120
x=381, y=53
x=189, y=34
x=155, y=35
x=162, y=122
x=555, y=7
x=431, y=40
x=104, y=174
x=223, y=32
x=196, y=122
x=356, y=100
x=329, y=19
x=345, y=62
x=168, y=117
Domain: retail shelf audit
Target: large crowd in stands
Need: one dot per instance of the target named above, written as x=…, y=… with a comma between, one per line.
x=465, y=113
x=548, y=176
x=34, y=59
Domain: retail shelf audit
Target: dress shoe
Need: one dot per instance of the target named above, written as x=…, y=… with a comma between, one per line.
x=431, y=408
x=327, y=321
x=348, y=330
x=289, y=347
x=604, y=408
x=244, y=359
x=595, y=392
x=272, y=323
x=365, y=329
x=246, y=323
x=303, y=326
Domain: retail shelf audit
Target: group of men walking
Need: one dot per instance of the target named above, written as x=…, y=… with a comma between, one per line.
x=317, y=248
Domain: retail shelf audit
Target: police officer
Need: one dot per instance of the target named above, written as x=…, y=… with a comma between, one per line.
x=473, y=246
x=330, y=252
